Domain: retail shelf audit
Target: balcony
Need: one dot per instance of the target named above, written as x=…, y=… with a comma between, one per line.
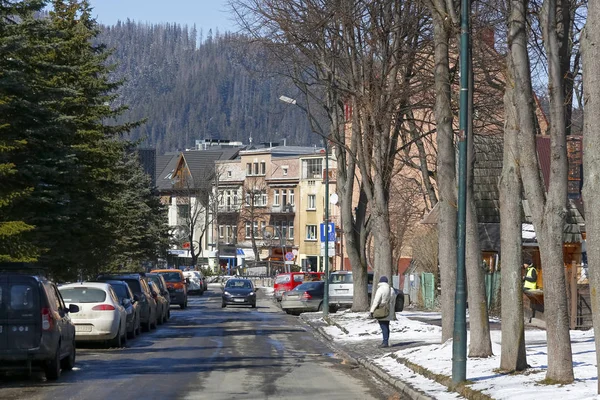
x=229, y=208
x=283, y=209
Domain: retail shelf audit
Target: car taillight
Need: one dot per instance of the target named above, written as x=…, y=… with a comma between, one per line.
x=103, y=307
x=306, y=296
x=47, y=319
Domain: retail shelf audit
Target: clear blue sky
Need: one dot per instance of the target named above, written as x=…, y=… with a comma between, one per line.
x=206, y=14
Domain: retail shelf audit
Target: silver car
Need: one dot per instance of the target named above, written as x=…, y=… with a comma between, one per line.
x=304, y=298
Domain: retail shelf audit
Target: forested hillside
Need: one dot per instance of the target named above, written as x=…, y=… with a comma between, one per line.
x=191, y=86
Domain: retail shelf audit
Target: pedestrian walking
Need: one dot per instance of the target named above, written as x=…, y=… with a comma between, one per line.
x=383, y=308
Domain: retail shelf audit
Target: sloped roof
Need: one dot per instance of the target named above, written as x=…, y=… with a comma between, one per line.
x=165, y=166
x=201, y=164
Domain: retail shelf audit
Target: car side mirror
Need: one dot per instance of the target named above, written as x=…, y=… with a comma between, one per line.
x=73, y=308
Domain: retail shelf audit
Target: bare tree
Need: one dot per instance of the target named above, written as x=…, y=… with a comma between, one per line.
x=590, y=46
x=444, y=18
x=195, y=201
x=513, y=356
x=548, y=209
x=254, y=213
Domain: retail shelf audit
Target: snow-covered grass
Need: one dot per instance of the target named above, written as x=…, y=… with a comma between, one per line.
x=426, y=351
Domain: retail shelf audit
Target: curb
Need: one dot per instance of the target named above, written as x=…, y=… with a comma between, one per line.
x=399, y=385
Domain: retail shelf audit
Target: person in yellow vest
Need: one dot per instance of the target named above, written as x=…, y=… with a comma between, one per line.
x=530, y=278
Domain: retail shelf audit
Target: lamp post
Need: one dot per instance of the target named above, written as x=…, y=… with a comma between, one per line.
x=292, y=101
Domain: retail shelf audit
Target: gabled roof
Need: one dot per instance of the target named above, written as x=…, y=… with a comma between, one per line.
x=201, y=164
x=165, y=167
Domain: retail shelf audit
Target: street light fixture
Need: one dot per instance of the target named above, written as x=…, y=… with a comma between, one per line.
x=291, y=101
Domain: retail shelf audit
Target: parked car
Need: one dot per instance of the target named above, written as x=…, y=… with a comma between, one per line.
x=239, y=292
x=177, y=285
x=305, y=297
x=196, y=284
x=102, y=317
x=163, y=291
x=289, y=280
x=132, y=307
x=138, y=284
x=36, y=330
x=341, y=289
x=162, y=306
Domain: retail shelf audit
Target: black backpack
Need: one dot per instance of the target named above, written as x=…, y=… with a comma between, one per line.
x=399, y=300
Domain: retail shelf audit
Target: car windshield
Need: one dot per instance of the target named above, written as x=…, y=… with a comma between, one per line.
x=236, y=284
x=340, y=278
x=308, y=286
x=83, y=295
x=171, y=276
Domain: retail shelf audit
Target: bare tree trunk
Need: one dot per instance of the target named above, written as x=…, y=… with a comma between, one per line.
x=590, y=48
x=480, y=344
x=446, y=167
x=513, y=356
x=548, y=212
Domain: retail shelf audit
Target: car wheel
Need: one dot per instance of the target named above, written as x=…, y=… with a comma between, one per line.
x=69, y=362
x=116, y=342
x=52, y=367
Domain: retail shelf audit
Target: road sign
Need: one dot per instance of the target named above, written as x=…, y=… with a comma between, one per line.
x=330, y=249
x=330, y=232
x=289, y=256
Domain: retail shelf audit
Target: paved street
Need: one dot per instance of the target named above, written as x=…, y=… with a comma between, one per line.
x=206, y=352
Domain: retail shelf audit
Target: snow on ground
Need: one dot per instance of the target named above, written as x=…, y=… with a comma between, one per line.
x=425, y=350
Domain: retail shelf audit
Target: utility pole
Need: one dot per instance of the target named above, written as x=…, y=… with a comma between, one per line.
x=326, y=288
x=459, y=343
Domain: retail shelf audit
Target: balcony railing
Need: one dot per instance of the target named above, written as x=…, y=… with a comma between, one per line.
x=283, y=209
x=229, y=208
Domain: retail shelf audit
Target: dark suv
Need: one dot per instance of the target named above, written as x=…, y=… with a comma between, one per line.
x=35, y=328
x=138, y=284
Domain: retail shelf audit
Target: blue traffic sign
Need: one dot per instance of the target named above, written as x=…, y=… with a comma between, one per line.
x=330, y=232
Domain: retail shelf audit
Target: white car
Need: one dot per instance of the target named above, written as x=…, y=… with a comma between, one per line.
x=101, y=316
x=196, y=284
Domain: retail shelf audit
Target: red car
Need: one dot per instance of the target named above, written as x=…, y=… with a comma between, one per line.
x=289, y=280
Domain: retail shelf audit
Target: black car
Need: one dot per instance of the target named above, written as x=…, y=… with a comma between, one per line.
x=239, y=292
x=138, y=284
x=35, y=328
x=132, y=306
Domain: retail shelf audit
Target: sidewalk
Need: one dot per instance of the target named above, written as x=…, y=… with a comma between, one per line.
x=421, y=368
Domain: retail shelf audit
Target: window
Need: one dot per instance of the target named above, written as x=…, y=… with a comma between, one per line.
x=312, y=168
x=311, y=232
x=248, y=230
x=248, y=169
x=284, y=197
x=263, y=198
x=292, y=196
x=263, y=168
x=276, y=197
x=312, y=202
x=291, y=229
x=285, y=171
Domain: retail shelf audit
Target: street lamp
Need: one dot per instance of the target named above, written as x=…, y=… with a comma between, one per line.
x=291, y=101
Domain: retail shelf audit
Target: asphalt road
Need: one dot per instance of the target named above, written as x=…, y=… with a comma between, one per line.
x=206, y=352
